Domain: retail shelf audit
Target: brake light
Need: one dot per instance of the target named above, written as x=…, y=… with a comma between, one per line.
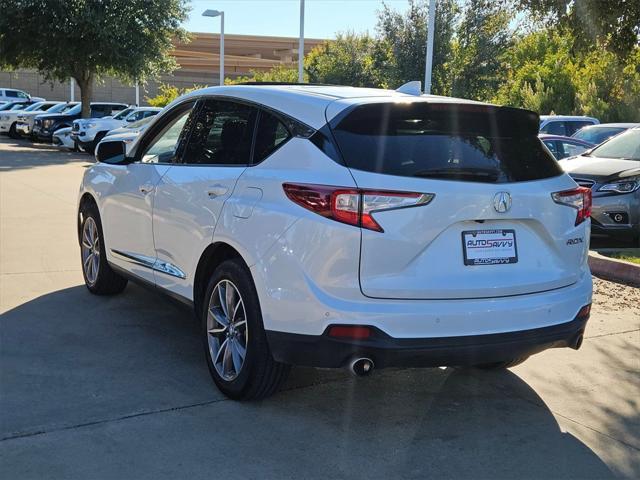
x=578, y=198
x=350, y=205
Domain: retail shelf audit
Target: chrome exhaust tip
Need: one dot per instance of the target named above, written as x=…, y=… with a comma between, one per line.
x=361, y=367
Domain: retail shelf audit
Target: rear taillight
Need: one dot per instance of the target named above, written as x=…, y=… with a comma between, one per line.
x=578, y=198
x=351, y=205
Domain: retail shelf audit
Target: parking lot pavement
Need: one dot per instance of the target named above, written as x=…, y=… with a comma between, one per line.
x=95, y=387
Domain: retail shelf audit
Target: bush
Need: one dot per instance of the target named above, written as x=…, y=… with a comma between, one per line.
x=168, y=93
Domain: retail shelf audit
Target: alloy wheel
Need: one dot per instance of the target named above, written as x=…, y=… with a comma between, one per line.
x=90, y=250
x=227, y=332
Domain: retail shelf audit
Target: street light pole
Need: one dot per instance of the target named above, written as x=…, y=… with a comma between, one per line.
x=429, y=59
x=218, y=13
x=301, y=45
x=72, y=92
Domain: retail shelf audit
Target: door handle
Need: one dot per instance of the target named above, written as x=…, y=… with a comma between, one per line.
x=144, y=189
x=217, y=191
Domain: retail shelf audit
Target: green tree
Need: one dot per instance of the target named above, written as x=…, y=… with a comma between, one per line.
x=87, y=39
x=279, y=73
x=347, y=60
x=168, y=93
x=401, y=55
x=615, y=24
x=480, y=43
x=539, y=70
x=609, y=88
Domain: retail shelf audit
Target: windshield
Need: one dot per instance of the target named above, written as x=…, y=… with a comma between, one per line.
x=446, y=141
x=597, y=135
x=139, y=123
x=624, y=146
x=18, y=106
x=60, y=107
x=73, y=110
x=36, y=107
x=123, y=114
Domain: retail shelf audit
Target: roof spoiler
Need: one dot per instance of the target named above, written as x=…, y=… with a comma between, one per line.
x=411, y=88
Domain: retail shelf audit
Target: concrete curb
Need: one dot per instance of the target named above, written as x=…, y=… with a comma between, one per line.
x=615, y=270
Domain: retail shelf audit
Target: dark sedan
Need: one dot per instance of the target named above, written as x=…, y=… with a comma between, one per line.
x=612, y=171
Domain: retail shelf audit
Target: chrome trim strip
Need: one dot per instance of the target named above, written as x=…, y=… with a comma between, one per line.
x=150, y=262
x=169, y=269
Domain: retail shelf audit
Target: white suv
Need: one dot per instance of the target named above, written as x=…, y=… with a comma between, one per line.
x=343, y=227
x=88, y=132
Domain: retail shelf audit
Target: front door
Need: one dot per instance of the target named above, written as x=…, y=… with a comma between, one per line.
x=190, y=196
x=127, y=212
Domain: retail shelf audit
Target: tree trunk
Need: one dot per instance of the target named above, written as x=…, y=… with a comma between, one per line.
x=86, y=92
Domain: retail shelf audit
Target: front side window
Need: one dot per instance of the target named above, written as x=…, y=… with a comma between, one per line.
x=572, y=149
x=222, y=134
x=270, y=136
x=165, y=145
x=555, y=128
x=573, y=126
x=11, y=93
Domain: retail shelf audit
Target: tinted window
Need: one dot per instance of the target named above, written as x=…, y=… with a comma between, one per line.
x=448, y=141
x=270, y=136
x=555, y=128
x=626, y=145
x=165, y=144
x=222, y=134
x=11, y=93
x=553, y=147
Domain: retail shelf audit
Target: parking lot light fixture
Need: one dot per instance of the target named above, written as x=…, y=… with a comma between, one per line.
x=218, y=13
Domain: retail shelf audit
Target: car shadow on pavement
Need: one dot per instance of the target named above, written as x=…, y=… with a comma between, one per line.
x=12, y=155
x=132, y=367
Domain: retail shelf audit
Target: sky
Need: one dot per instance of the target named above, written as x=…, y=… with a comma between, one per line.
x=323, y=18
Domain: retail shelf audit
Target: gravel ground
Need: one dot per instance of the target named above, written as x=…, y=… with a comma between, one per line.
x=608, y=296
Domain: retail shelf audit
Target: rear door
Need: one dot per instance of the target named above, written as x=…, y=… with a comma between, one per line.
x=492, y=228
x=190, y=196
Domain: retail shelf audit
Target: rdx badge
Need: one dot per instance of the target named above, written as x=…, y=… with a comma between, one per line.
x=574, y=241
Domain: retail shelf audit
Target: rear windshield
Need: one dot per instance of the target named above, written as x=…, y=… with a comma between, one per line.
x=446, y=141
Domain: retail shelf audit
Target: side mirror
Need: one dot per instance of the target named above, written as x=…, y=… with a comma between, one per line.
x=111, y=152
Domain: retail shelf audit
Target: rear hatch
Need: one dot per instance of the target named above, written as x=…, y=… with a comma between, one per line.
x=491, y=228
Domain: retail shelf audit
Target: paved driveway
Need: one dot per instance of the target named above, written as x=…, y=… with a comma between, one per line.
x=117, y=387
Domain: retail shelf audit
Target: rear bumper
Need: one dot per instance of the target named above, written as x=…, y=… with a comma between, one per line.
x=385, y=351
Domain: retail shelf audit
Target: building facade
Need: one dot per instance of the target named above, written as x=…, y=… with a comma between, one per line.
x=199, y=64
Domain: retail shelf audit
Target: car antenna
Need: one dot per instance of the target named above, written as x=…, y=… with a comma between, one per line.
x=411, y=88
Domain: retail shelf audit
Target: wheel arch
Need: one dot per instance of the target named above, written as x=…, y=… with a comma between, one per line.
x=86, y=200
x=213, y=255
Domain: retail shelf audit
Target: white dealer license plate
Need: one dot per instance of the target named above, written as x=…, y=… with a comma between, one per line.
x=489, y=247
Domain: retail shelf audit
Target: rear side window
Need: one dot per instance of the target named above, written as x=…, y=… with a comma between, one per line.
x=446, y=141
x=271, y=134
x=11, y=93
x=555, y=128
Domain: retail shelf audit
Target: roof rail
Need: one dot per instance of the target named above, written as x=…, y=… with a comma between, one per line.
x=286, y=83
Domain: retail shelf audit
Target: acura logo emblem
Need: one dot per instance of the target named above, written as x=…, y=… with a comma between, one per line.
x=502, y=202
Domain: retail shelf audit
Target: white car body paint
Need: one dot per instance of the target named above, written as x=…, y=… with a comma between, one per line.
x=311, y=272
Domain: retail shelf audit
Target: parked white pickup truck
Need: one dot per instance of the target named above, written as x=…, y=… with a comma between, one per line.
x=87, y=132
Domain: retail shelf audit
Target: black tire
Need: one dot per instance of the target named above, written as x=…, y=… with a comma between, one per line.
x=501, y=365
x=107, y=281
x=12, y=131
x=260, y=375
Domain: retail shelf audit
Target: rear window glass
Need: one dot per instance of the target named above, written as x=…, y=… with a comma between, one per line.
x=447, y=141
